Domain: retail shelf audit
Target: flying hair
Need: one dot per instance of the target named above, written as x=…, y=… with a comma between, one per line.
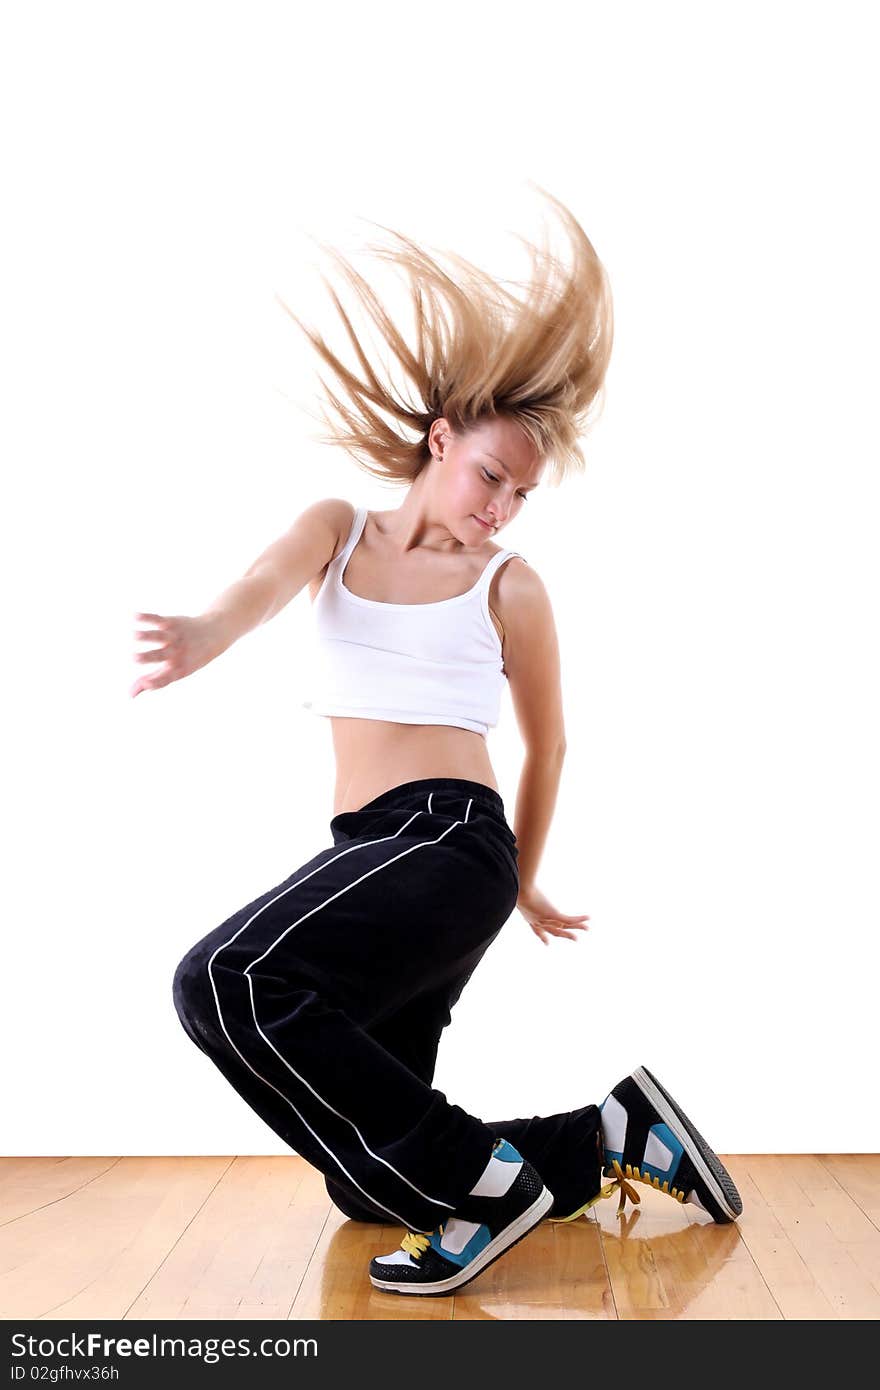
x=480, y=351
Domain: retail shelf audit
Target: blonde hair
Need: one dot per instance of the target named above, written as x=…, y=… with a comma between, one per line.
x=479, y=352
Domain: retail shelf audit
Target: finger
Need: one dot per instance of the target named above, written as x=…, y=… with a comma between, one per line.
x=164, y=639
x=158, y=654
x=140, y=686
x=151, y=618
x=156, y=682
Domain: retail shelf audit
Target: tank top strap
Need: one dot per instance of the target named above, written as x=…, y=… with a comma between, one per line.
x=495, y=563
x=359, y=521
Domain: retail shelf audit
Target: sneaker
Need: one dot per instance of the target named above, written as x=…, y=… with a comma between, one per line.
x=648, y=1138
x=507, y=1201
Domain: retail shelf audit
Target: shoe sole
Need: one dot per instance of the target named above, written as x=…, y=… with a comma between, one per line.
x=504, y=1241
x=702, y=1156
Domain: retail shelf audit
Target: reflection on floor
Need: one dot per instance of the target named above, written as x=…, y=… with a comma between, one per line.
x=230, y=1238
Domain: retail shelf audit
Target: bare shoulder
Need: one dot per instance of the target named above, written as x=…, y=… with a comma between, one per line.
x=516, y=574
x=517, y=593
x=306, y=548
x=337, y=514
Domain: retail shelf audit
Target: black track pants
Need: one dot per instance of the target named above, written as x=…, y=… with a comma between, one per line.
x=322, y=1002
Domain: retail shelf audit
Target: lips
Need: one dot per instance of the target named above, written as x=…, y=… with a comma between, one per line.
x=488, y=525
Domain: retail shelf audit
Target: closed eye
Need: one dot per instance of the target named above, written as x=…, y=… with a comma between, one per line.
x=487, y=474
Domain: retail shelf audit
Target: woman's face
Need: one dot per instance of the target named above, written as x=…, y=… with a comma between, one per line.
x=485, y=474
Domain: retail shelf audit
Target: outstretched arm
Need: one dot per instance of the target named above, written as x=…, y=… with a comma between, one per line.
x=531, y=662
x=185, y=644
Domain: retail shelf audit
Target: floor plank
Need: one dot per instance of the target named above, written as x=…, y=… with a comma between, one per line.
x=557, y=1272
x=247, y=1249
x=91, y=1253
x=857, y=1174
x=666, y=1260
x=337, y=1285
x=817, y=1249
x=26, y=1184
x=258, y=1237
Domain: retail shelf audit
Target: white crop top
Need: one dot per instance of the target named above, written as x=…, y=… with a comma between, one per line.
x=410, y=663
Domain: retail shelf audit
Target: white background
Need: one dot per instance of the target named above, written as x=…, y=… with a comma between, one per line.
x=714, y=572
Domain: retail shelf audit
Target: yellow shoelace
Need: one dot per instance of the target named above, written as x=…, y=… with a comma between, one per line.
x=414, y=1243
x=626, y=1189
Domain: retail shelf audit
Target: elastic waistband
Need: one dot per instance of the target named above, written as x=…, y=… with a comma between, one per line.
x=451, y=786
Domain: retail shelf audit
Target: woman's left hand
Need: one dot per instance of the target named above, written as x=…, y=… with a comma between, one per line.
x=545, y=920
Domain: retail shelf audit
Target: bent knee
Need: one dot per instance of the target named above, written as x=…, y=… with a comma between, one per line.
x=191, y=988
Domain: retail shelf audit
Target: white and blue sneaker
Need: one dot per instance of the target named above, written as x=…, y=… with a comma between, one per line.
x=506, y=1202
x=648, y=1138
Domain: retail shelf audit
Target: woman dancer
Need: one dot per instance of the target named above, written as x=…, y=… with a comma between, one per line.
x=322, y=1001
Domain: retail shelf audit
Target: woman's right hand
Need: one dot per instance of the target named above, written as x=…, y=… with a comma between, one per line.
x=183, y=644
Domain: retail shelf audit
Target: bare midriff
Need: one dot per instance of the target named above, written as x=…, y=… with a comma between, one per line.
x=374, y=755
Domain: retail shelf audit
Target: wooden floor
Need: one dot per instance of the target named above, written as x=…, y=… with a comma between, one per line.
x=229, y=1238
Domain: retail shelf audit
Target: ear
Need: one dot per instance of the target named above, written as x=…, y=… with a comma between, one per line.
x=438, y=436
